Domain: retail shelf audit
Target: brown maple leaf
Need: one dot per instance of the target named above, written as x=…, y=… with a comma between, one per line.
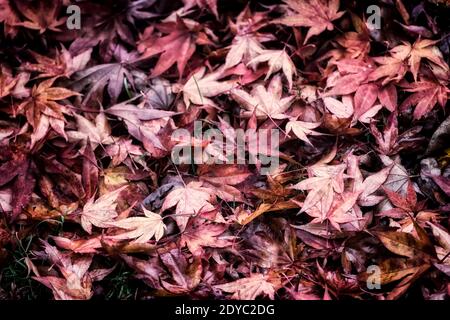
x=394, y=67
x=351, y=74
x=113, y=76
x=9, y=17
x=356, y=44
x=104, y=24
x=395, y=269
x=97, y=133
x=405, y=244
x=189, y=200
x=211, y=5
x=42, y=111
x=41, y=15
x=63, y=64
x=316, y=14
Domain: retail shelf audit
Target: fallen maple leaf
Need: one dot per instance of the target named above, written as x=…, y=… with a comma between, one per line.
x=387, y=140
x=101, y=212
x=364, y=102
x=264, y=102
x=426, y=94
x=209, y=4
x=63, y=64
x=342, y=109
x=246, y=44
x=41, y=16
x=443, y=183
x=244, y=49
x=342, y=211
x=133, y=113
x=424, y=49
x=142, y=123
x=142, y=229
x=325, y=180
x=189, y=200
x=19, y=169
x=9, y=18
x=42, y=111
x=84, y=246
x=404, y=205
x=10, y=85
x=389, y=69
x=372, y=183
x=176, y=47
x=200, y=233
x=97, y=134
x=76, y=283
x=302, y=129
x=113, y=76
x=90, y=172
x=183, y=276
x=252, y=287
x=200, y=87
x=395, y=269
x=405, y=244
x=277, y=60
x=351, y=74
x=121, y=150
x=443, y=238
x=225, y=180
x=393, y=68
x=91, y=131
